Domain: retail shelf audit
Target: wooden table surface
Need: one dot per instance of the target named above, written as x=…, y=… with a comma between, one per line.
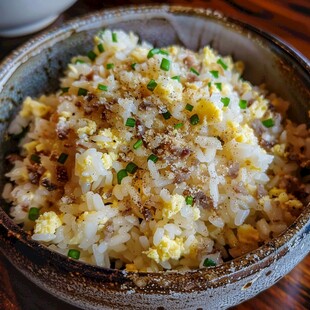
x=287, y=19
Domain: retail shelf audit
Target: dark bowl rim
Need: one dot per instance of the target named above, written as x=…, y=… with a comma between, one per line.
x=260, y=255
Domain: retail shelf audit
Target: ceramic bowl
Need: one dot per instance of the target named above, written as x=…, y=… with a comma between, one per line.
x=21, y=17
x=35, y=69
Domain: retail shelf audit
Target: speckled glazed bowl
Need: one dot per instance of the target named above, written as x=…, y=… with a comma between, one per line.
x=35, y=68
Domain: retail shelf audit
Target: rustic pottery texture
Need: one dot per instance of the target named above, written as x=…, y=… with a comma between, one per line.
x=43, y=58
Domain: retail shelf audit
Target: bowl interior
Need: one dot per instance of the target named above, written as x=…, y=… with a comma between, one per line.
x=35, y=69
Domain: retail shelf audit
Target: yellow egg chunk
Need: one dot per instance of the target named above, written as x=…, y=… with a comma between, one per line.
x=247, y=234
x=47, y=223
x=207, y=109
x=173, y=206
x=108, y=159
x=111, y=141
x=166, y=249
x=35, y=108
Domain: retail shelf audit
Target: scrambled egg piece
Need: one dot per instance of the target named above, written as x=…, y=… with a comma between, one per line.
x=173, y=206
x=47, y=223
x=169, y=89
x=30, y=146
x=207, y=109
x=35, y=108
x=89, y=129
x=166, y=249
x=279, y=150
x=247, y=234
x=139, y=54
x=112, y=142
x=208, y=56
x=108, y=159
x=242, y=134
x=287, y=201
x=258, y=108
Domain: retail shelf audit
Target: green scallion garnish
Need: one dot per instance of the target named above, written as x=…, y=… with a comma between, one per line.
x=100, y=48
x=222, y=63
x=243, y=104
x=225, y=101
x=153, y=158
x=65, y=89
x=268, y=122
x=209, y=263
x=110, y=66
x=33, y=214
x=62, y=158
x=194, y=119
x=166, y=115
x=215, y=73
x=189, y=200
x=165, y=64
x=189, y=107
x=114, y=37
x=130, y=122
x=82, y=92
x=80, y=61
x=35, y=158
x=178, y=126
x=151, y=85
x=91, y=55
x=133, y=66
x=102, y=87
x=74, y=253
x=194, y=71
x=209, y=84
x=155, y=51
x=131, y=168
x=138, y=144
x=177, y=77
x=121, y=175
x=218, y=86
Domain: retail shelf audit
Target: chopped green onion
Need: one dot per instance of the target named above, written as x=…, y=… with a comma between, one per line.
x=165, y=64
x=218, y=86
x=222, y=63
x=82, y=92
x=243, y=104
x=80, y=61
x=110, y=66
x=268, y=122
x=225, y=101
x=209, y=84
x=189, y=200
x=155, y=51
x=131, y=168
x=179, y=125
x=138, y=144
x=133, y=66
x=74, y=254
x=194, y=119
x=114, y=37
x=62, y=158
x=177, y=77
x=215, y=73
x=130, y=122
x=102, y=87
x=153, y=158
x=91, y=55
x=33, y=214
x=65, y=89
x=121, y=175
x=166, y=115
x=194, y=71
x=209, y=263
x=189, y=107
x=100, y=48
x=35, y=158
x=151, y=85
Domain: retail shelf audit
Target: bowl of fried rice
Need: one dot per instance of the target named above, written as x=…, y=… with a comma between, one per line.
x=155, y=157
